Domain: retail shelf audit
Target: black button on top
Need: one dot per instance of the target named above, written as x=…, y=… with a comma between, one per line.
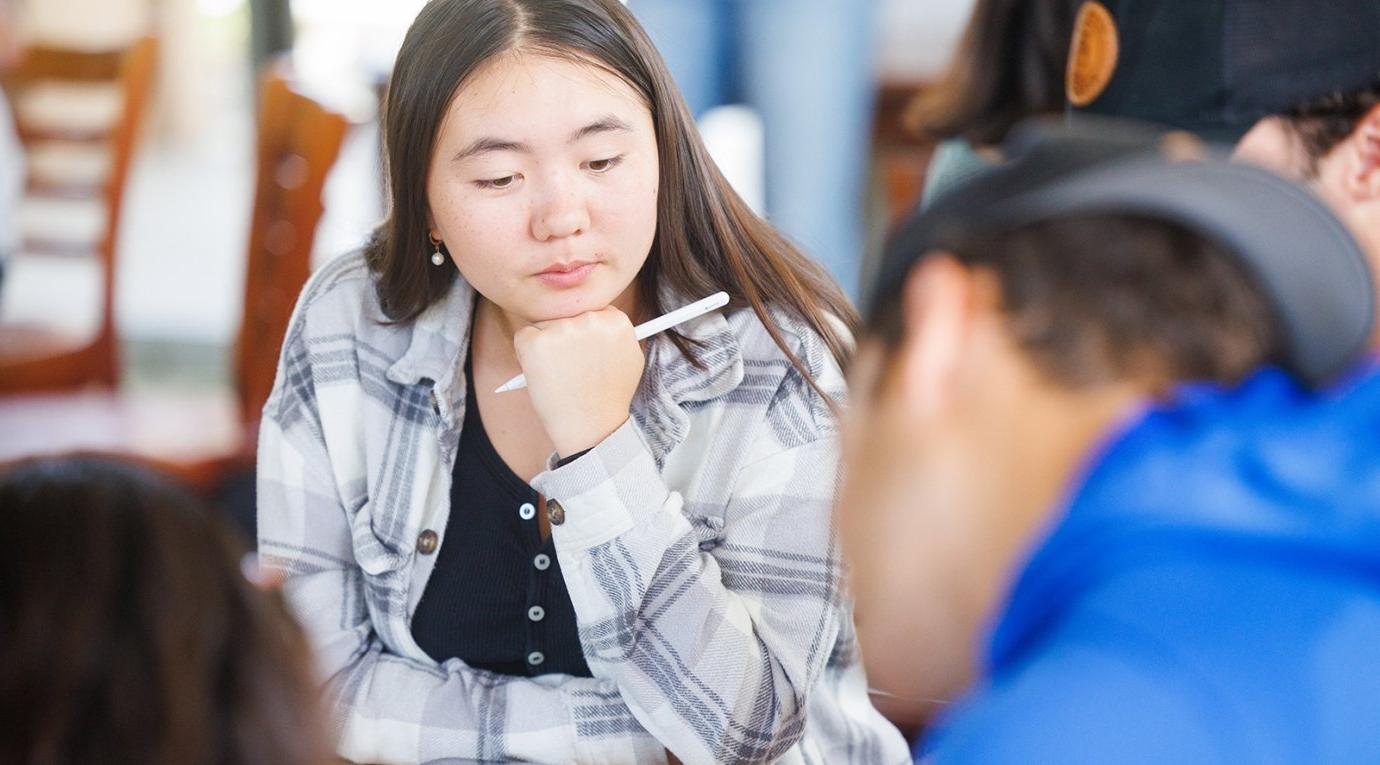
x=427, y=541
x=554, y=512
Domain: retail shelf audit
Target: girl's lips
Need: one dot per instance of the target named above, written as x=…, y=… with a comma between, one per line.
x=567, y=279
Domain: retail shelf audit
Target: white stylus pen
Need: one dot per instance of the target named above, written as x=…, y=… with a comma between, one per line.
x=647, y=329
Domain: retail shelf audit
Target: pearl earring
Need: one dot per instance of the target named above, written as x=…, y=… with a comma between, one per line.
x=436, y=257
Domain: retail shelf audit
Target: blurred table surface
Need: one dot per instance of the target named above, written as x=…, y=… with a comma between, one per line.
x=158, y=425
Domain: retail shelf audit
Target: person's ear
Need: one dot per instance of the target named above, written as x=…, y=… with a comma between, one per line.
x=938, y=302
x=1363, y=166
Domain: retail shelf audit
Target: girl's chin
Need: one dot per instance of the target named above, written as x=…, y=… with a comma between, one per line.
x=547, y=305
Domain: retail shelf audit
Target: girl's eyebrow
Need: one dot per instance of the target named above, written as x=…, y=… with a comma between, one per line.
x=606, y=124
x=487, y=144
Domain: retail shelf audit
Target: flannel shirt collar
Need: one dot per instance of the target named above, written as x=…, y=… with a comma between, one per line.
x=672, y=384
x=440, y=340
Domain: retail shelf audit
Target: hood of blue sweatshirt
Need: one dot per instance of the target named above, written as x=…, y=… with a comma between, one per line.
x=1210, y=592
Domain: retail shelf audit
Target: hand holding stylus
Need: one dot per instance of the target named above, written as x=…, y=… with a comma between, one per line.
x=582, y=372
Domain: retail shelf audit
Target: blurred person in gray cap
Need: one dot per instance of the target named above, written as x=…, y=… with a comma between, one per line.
x=1296, y=82
x=1111, y=472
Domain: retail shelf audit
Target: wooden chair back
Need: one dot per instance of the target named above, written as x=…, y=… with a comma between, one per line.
x=299, y=140
x=31, y=357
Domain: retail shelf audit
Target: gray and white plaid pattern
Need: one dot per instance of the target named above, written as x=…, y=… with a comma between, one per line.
x=697, y=549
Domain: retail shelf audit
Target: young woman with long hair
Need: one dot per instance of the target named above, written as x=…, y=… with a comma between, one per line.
x=632, y=557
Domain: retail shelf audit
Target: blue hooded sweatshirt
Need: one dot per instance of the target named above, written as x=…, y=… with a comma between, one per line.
x=1210, y=595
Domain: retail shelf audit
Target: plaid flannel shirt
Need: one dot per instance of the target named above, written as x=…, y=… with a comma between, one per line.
x=697, y=549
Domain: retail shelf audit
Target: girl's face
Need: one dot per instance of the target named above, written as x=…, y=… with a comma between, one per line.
x=543, y=186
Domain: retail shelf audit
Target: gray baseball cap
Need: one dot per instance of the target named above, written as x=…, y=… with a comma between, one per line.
x=1311, y=269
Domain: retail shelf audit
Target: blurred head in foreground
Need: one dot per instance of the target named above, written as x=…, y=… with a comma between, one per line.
x=128, y=632
x=1082, y=403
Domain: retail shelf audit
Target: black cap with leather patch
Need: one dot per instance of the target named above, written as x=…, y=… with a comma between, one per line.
x=1215, y=67
x=1310, y=268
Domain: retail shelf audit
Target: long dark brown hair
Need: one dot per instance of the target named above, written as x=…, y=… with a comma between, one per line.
x=707, y=239
x=1010, y=65
x=129, y=634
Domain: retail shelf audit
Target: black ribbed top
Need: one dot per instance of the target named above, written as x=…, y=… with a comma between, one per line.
x=496, y=599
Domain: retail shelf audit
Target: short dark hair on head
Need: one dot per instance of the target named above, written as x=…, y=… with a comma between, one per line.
x=1097, y=298
x=129, y=634
x=1320, y=125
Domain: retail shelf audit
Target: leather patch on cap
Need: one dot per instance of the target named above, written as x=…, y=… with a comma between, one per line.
x=1092, y=54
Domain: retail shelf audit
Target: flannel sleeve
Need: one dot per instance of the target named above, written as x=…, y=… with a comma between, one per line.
x=714, y=643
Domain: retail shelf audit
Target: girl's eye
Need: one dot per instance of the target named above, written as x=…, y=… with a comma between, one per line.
x=497, y=183
x=603, y=165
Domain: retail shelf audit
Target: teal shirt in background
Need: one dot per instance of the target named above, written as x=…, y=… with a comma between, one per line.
x=954, y=162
